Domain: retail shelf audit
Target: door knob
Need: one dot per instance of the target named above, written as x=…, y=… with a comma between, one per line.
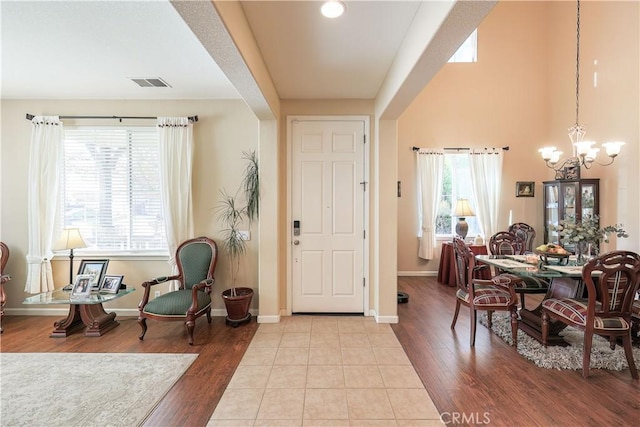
x=296, y=242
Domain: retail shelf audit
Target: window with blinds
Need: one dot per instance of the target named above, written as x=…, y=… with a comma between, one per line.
x=111, y=188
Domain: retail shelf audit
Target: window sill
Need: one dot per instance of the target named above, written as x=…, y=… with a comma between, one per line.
x=125, y=256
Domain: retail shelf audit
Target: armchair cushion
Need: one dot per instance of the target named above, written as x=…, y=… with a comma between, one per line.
x=486, y=296
x=576, y=312
x=176, y=303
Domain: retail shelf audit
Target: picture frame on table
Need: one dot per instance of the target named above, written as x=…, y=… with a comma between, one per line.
x=82, y=286
x=111, y=284
x=525, y=188
x=96, y=268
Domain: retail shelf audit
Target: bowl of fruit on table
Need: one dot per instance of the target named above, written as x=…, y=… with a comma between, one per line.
x=552, y=254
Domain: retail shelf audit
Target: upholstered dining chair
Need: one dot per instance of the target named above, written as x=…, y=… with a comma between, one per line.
x=509, y=243
x=525, y=232
x=196, y=260
x=497, y=294
x=4, y=278
x=611, y=281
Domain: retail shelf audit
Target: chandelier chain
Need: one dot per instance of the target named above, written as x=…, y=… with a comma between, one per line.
x=578, y=64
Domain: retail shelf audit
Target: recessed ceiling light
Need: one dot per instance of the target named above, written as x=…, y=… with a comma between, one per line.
x=333, y=9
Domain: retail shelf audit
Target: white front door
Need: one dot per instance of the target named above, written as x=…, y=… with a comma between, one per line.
x=328, y=233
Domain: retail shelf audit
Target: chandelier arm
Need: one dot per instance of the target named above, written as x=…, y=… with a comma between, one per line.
x=566, y=162
x=601, y=164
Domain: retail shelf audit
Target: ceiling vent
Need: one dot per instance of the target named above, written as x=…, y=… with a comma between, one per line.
x=151, y=82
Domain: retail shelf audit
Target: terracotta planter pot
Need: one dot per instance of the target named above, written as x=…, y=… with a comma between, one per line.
x=237, y=305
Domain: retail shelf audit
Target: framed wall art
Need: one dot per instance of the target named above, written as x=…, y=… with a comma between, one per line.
x=525, y=188
x=96, y=268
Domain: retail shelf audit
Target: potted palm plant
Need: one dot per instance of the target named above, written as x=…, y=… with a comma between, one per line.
x=233, y=215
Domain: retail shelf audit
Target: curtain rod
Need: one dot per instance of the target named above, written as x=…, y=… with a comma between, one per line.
x=192, y=119
x=458, y=148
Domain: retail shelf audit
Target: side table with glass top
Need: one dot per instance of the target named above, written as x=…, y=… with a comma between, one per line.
x=83, y=312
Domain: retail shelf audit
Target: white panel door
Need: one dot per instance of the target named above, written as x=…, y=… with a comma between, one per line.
x=328, y=201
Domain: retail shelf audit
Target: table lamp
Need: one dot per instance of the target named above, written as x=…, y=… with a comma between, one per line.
x=71, y=239
x=462, y=211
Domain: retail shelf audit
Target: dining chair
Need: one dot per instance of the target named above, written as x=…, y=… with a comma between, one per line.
x=4, y=278
x=497, y=294
x=196, y=260
x=509, y=243
x=525, y=232
x=611, y=281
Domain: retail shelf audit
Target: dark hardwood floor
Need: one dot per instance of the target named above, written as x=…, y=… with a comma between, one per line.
x=490, y=384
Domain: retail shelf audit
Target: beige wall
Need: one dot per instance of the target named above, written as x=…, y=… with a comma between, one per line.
x=225, y=129
x=521, y=94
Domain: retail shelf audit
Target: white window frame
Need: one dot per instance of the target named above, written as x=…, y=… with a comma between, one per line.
x=468, y=50
x=128, y=253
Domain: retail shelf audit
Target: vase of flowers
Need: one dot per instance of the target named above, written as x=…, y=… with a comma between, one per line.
x=585, y=236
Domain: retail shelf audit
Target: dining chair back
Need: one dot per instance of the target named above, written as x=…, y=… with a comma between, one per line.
x=506, y=243
x=509, y=243
x=525, y=232
x=611, y=281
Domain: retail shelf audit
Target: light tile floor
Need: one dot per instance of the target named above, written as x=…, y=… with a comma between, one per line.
x=325, y=371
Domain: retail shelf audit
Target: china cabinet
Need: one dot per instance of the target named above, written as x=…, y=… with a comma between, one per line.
x=579, y=198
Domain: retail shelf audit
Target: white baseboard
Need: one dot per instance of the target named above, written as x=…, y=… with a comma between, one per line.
x=269, y=319
x=417, y=273
x=387, y=319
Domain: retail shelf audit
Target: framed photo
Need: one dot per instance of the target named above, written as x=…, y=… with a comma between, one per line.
x=111, y=284
x=525, y=188
x=82, y=286
x=96, y=268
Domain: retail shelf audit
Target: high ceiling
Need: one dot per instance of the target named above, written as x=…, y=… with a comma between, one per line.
x=92, y=49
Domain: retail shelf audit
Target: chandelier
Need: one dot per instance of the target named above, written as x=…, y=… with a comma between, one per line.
x=584, y=152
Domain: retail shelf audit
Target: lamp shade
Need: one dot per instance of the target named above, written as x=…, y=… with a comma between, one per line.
x=70, y=238
x=463, y=209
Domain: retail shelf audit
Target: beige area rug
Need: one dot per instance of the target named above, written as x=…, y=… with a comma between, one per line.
x=85, y=389
x=557, y=357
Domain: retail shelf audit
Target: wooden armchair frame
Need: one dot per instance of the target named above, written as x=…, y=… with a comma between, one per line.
x=497, y=294
x=193, y=297
x=4, y=278
x=607, y=310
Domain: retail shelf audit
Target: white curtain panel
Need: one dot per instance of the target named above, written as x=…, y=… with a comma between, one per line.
x=429, y=173
x=47, y=142
x=176, y=160
x=486, y=177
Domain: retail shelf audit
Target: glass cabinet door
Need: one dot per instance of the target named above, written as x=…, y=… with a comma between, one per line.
x=588, y=200
x=568, y=200
x=551, y=211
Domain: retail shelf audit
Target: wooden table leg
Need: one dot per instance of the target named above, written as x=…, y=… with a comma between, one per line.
x=97, y=320
x=72, y=323
x=531, y=320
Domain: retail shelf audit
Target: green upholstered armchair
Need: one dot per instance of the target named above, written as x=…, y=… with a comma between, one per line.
x=196, y=260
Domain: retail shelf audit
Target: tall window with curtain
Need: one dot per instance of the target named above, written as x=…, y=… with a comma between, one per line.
x=443, y=177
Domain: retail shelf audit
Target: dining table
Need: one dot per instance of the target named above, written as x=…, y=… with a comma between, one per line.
x=565, y=281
